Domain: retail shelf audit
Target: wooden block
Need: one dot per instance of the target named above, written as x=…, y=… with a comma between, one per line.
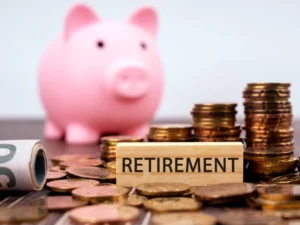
x=193, y=163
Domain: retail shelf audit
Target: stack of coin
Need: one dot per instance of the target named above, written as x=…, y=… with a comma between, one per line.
x=109, y=145
x=269, y=137
x=277, y=197
x=215, y=122
x=170, y=133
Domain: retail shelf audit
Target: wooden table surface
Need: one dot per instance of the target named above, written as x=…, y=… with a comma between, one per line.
x=33, y=129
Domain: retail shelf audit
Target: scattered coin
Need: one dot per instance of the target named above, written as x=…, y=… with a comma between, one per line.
x=68, y=185
x=172, y=204
x=104, y=214
x=292, y=178
x=135, y=200
x=89, y=172
x=100, y=193
x=66, y=157
x=17, y=215
x=288, y=214
x=56, y=169
x=249, y=217
x=280, y=192
x=224, y=193
x=190, y=193
x=183, y=218
x=55, y=175
x=80, y=162
x=63, y=203
x=162, y=189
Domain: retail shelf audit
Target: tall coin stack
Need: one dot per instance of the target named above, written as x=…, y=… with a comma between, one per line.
x=269, y=136
x=109, y=145
x=215, y=122
x=170, y=133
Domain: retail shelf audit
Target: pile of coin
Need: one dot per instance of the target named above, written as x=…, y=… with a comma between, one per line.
x=109, y=145
x=170, y=133
x=269, y=137
x=215, y=122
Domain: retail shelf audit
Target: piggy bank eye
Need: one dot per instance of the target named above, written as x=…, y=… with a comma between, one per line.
x=143, y=45
x=100, y=44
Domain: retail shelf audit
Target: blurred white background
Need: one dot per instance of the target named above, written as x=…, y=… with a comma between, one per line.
x=210, y=48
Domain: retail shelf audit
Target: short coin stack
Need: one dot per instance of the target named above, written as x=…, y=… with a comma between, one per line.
x=215, y=122
x=170, y=133
x=109, y=145
x=279, y=197
x=269, y=137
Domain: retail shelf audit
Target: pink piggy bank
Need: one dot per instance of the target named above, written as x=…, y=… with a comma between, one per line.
x=101, y=77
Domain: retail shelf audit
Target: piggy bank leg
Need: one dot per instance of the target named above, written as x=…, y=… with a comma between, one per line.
x=52, y=131
x=141, y=131
x=81, y=134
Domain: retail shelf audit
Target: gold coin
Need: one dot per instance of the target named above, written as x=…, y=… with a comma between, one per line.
x=273, y=167
x=274, y=145
x=157, y=139
x=55, y=175
x=273, y=111
x=249, y=217
x=66, y=157
x=222, y=192
x=111, y=166
x=104, y=214
x=81, y=162
x=279, y=93
x=277, y=205
x=272, y=132
x=270, y=173
x=121, y=138
x=270, y=116
x=215, y=105
x=100, y=193
x=162, y=189
x=271, y=152
x=172, y=204
x=89, y=172
x=266, y=149
x=108, y=148
x=22, y=214
x=237, y=139
x=267, y=159
x=216, y=133
x=56, y=169
x=280, y=192
x=293, y=178
x=183, y=218
x=68, y=185
x=170, y=127
x=288, y=214
x=63, y=203
x=135, y=200
x=268, y=85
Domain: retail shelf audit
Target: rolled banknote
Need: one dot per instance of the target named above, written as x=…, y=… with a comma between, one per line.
x=23, y=165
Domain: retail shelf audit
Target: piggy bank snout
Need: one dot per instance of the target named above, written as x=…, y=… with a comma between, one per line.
x=131, y=82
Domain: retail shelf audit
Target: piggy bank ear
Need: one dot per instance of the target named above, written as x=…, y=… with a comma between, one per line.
x=79, y=16
x=146, y=18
